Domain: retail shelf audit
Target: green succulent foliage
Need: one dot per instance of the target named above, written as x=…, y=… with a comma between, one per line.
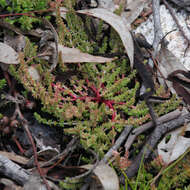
x=167, y=179
x=3, y=83
x=145, y=178
x=23, y=6
x=96, y=103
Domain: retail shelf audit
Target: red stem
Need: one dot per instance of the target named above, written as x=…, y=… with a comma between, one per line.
x=98, y=97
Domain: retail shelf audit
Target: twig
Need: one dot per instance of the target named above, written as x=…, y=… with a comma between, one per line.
x=71, y=180
x=86, y=173
x=30, y=13
x=117, y=144
x=26, y=128
x=158, y=34
x=158, y=175
x=25, y=125
x=39, y=55
x=151, y=112
x=141, y=129
x=13, y=171
x=55, y=58
x=156, y=135
x=70, y=147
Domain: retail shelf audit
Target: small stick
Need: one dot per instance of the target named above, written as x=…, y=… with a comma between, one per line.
x=56, y=37
x=26, y=128
x=155, y=136
x=141, y=129
x=86, y=173
x=117, y=144
x=70, y=147
x=158, y=34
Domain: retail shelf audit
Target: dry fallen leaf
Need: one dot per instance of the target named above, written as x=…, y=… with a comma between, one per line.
x=18, y=42
x=73, y=55
x=8, y=55
x=173, y=70
x=14, y=157
x=106, y=175
x=181, y=83
x=119, y=24
x=135, y=7
x=178, y=143
x=168, y=62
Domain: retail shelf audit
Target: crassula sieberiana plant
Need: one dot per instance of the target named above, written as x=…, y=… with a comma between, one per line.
x=94, y=101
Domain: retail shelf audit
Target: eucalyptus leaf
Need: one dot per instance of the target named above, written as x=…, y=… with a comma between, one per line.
x=119, y=24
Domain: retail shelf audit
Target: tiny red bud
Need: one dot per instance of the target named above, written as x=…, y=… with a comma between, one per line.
x=30, y=104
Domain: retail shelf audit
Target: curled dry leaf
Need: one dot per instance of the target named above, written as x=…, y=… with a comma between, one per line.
x=8, y=55
x=181, y=83
x=168, y=62
x=173, y=70
x=8, y=184
x=119, y=24
x=135, y=7
x=73, y=55
x=177, y=143
x=16, y=158
x=106, y=175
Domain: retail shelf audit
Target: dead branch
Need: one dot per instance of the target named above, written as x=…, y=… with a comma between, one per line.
x=117, y=144
x=156, y=135
x=141, y=129
x=13, y=171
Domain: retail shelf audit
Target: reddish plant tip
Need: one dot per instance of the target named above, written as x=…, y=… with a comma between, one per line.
x=30, y=105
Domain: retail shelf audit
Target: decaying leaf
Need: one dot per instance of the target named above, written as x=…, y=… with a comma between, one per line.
x=14, y=157
x=8, y=184
x=174, y=71
x=8, y=55
x=181, y=84
x=135, y=7
x=174, y=144
x=73, y=55
x=106, y=175
x=119, y=24
x=168, y=62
